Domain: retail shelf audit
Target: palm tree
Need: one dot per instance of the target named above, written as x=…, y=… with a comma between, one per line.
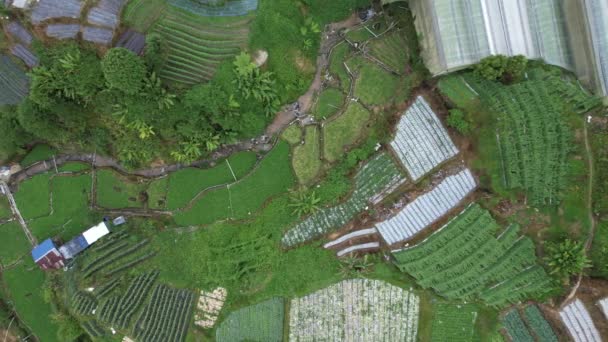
x=566, y=258
x=304, y=203
x=353, y=267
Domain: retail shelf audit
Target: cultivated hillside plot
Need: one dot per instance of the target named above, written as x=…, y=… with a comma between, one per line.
x=214, y=8
x=579, y=323
x=421, y=142
x=465, y=260
x=259, y=322
x=106, y=13
x=355, y=310
x=54, y=9
x=14, y=83
x=62, y=31
x=378, y=176
x=18, y=32
x=428, y=208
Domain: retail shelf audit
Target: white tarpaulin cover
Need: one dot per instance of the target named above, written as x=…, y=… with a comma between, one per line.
x=96, y=233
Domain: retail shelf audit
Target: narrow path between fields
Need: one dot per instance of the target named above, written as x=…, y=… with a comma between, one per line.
x=17, y=214
x=591, y=233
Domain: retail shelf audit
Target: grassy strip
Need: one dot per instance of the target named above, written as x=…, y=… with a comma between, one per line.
x=15, y=244
x=344, y=131
x=293, y=134
x=307, y=158
x=33, y=197
x=330, y=101
x=115, y=192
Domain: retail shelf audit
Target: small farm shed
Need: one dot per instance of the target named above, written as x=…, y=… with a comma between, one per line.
x=84, y=240
x=47, y=256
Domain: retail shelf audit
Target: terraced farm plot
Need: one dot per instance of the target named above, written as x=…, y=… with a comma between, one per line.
x=32, y=197
x=71, y=198
x=329, y=102
x=120, y=255
x=185, y=184
x=196, y=46
x=292, y=134
x=5, y=208
x=14, y=83
x=39, y=153
x=421, y=142
x=166, y=317
x=453, y=322
x=577, y=320
x=63, y=31
x=142, y=14
x=373, y=84
x=306, y=158
x=73, y=167
x=106, y=13
x=465, y=260
x=19, y=33
x=355, y=310
x=25, y=55
x=534, y=138
x=378, y=176
x=259, y=322
x=115, y=191
x=391, y=50
x=336, y=64
x=119, y=310
x=344, y=130
x=427, y=208
x=239, y=200
x=214, y=8
x=16, y=245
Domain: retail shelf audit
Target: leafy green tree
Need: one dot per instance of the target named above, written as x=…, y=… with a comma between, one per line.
x=69, y=329
x=12, y=134
x=459, y=121
x=304, y=203
x=516, y=66
x=256, y=84
x=492, y=67
x=154, y=54
x=123, y=70
x=566, y=258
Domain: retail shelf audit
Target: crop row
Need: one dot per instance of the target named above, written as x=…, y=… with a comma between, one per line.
x=119, y=310
x=83, y=304
x=106, y=262
x=130, y=263
x=376, y=177
x=93, y=329
x=109, y=241
x=166, y=316
x=108, y=253
x=465, y=259
x=259, y=322
x=516, y=328
x=539, y=325
x=106, y=288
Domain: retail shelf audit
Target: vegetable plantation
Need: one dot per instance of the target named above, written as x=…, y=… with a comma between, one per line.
x=14, y=83
x=538, y=324
x=376, y=177
x=356, y=309
x=515, y=327
x=453, y=322
x=166, y=317
x=197, y=46
x=258, y=322
x=533, y=135
x=465, y=260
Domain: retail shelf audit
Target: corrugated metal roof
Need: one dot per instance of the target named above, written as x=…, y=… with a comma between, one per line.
x=73, y=247
x=42, y=249
x=95, y=233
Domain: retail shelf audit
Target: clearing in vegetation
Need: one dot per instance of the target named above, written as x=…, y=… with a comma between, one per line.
x=197, y=45
x=307, y=158
x=344, y=130
x=453, y=322
x=239, y=200
x=465, y=260
x=356, y=309
x=378, y=176
x=166, y=317
x=259, y=322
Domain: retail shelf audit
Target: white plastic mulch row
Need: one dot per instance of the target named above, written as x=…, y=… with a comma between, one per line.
x=422, y=143
x=106, y=13
x=360, y=247
x=427, y=208
x=352, y=235
x=604, y=306
x=62, y=31
x=579, y=323
x=355, y=310
x=53, y=9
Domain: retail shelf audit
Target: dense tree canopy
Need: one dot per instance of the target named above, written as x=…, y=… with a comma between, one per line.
x=123, y=70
